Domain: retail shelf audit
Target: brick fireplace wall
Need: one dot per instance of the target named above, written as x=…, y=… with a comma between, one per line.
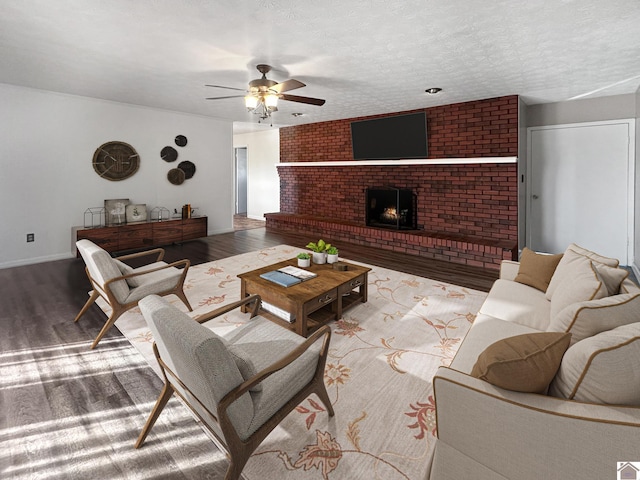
x=467, y=213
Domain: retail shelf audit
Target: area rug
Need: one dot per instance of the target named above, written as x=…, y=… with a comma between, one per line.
x=382, y=358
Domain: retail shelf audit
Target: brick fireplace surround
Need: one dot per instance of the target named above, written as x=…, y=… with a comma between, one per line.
x=467, y=212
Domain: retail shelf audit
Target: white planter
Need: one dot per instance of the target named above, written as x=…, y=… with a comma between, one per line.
x=304, y=262
x=332, y=258
x=319, y=257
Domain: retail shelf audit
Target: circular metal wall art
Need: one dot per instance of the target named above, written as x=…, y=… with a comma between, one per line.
x=176, y=176
x=115, y=161
x=188, y=168
x=181, y=140
x=169, y=154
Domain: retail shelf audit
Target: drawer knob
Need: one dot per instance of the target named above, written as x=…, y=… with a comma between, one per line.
x=356, y=283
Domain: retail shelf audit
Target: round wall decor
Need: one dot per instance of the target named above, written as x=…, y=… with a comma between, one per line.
x=181, y=140
x=115, y=160
x=188, y=168
x=169, y=154
x=176, y=176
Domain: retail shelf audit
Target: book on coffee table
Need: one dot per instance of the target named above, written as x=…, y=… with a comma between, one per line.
x=298, y=272
x=280, y=278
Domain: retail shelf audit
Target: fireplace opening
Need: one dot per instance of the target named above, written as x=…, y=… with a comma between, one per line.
x=390, y=207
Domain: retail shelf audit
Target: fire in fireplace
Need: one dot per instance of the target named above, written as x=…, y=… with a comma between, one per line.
x=390, y=207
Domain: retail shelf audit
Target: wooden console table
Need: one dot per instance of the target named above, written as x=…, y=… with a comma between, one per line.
x=137, y=235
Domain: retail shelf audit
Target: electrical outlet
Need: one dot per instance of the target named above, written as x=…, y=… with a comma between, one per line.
x=31, y=237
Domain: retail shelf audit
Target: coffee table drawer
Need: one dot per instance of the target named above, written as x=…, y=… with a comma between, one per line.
x=323, y=300
x=352, y=284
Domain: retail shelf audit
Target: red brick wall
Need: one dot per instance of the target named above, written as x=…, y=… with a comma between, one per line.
x=482, y=128
x=479, y=201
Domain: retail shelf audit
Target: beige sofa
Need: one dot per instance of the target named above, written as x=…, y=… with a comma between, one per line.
x=587, y=421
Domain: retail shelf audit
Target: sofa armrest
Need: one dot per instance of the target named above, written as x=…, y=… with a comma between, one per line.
x=527, y=436
x=509, y=269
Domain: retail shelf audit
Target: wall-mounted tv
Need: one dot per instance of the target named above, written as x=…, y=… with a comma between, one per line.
x=396, y=137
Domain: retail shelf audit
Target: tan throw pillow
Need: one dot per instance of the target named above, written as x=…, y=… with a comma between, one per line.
x=536, y=269
x=571, y=255
x=586, y=319
x=583, y=283
x=524, y=363
x=602, y=369
x=612, y=277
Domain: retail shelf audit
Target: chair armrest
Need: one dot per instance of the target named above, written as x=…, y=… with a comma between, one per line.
x=159, y=251
x=205, y=317
x=529, y=436
x=237, y=392
x=509, y=269
x=185, y=264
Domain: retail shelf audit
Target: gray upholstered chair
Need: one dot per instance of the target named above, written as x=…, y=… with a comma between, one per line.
x=240, y=386
x=122, y=286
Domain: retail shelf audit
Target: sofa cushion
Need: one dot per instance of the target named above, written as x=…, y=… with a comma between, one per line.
x=582, y=283
x=484, y=331
x=602, y=368
x=563, y=270
x=152, y=277
x=524, y=363
x=586, y=319
x=518, y=303
x=536, y=269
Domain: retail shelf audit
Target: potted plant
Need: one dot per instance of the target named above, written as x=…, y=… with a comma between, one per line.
x=304, y=260
x=319, y=251
x=332, y=254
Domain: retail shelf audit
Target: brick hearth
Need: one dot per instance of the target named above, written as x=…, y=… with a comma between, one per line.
x=467, y=213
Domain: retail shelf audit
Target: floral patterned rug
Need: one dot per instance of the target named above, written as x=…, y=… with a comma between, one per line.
x=382, y=357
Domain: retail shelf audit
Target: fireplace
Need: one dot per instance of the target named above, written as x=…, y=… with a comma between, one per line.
x=390, y=207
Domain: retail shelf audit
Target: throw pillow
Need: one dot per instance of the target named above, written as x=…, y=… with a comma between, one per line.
x=586, y=319
x=524, y=363
x=571, y=255
x=583, y=283
x=602, y=369
x=536, y=269
x=612, y=277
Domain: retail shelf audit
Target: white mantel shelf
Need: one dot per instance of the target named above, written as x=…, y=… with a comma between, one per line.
x=426, y=161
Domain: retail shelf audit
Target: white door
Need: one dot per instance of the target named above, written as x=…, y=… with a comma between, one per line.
x=580, y=187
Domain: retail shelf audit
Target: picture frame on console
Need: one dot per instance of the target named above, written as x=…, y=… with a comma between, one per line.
x=115, y=211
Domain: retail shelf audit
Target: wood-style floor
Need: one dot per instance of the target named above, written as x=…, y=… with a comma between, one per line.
x=72, y=413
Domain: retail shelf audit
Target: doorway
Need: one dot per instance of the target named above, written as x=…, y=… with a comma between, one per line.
x=241, y=180
x=581, y=187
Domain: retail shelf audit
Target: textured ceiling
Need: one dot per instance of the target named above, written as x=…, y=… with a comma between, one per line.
x=363, y=57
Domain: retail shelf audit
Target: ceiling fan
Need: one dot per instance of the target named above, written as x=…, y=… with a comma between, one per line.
x=263, y=94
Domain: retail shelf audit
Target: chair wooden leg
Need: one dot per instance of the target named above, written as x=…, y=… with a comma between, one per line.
x=94, y=296
x=115, y=314
x=322, y=394
x=164, y=397
x=235, y=467
x=181, y=295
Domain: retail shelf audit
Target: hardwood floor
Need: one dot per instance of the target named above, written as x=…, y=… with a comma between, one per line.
x=73, y=413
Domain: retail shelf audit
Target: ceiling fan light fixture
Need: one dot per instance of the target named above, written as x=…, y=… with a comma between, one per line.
x=251, y=102
x=271, y=100
x=433, y=90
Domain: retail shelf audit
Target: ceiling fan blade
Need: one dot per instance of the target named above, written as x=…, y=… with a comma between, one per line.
x=287, y=85
x=228, y=88
x=220, y=98
x=296, y=98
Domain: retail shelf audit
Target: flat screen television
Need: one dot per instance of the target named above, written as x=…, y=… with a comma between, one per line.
x=390, y=138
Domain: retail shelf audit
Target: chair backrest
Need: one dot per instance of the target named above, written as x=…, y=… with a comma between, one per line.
x=102, y=267
x=199, y=358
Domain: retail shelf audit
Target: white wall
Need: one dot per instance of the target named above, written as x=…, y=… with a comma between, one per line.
x=47, y=181
x=636, y=258
x=263, y=182
x=615, y=107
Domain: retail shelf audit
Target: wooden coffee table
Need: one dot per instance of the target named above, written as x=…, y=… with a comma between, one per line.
x=313, y=302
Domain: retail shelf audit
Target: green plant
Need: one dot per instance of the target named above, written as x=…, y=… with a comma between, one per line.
x=332, y=250
x=304, y=256
x=319, y=247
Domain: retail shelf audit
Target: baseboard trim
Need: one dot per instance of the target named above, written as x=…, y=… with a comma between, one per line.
x=31, y=261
